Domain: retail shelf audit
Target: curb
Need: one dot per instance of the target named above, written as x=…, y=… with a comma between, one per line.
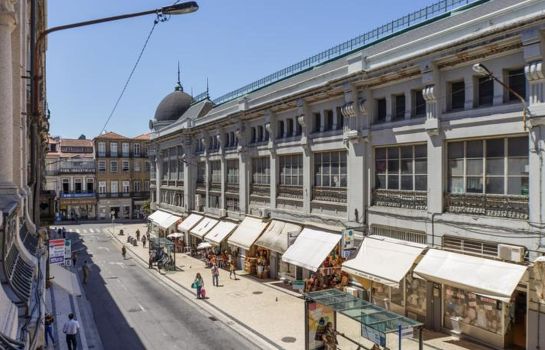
x=254, y=337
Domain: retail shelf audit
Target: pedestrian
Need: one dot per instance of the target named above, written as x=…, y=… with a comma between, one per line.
x=59, y=232
x=144, y=241
x=198, y=284
x=150, y=261
x=123, y=252
x=48, y=322
x=64, y=233
x=215, y=275
x=232, y=268
x=71, y=328
x=85, y=269
x=137, y=234
x=74, y=258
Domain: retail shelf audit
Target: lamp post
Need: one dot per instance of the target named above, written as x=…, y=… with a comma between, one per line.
x=481, y=70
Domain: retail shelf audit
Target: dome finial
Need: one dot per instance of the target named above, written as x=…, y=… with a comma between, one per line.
x=179, y=86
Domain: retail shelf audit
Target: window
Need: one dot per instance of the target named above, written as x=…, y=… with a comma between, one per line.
x=419, y=104
x=317, y=122
x=494, y=166
x=126, y=186
x=147, y=166
x=232, y=172
x=136, y=147
x=232, y=204
x=65, y=185
x=172, y=163
x=201, y=173
x=298, y=128
x=340, y=118
x=113, y=187
x=136, y=165
x=289, y=127
x=259, y=136
x=164, y=159
x=125, y=165
x=181, y=164
x=214, y=201
x=102, y=187
x=101, y=166
x=90, y=186
x=78, y=186
x=517, y=81
x=113, y=166
x=215, y=172
x=399, y=112
x=253, y=135
x=136, y=186
x=485, y=86
x=457, y=95
x=291, y=170
x=330, y=169
x=113, y=149
x=280, y=133
x=102, y=149
x=125, y=149
x=146, y=185
x=328, y=120
x=401, y=168
x=381, y=110
x=261, y=171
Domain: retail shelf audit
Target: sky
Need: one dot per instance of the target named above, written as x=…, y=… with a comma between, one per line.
x=229, y=42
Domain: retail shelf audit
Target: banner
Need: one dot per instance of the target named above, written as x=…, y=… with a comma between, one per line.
x=56, y=251
x=67, y=252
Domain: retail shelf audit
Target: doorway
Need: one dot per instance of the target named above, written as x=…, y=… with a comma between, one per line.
x=519, y=321
x=434, y=307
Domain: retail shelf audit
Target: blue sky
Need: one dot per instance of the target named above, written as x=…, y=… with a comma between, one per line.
x=230, y=42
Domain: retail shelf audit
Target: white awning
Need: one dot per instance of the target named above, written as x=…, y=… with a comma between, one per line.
x=276, y=236
x=311, y=248
x=65, y=279
x=375, y=251
x=189, y=222
x=220, y=232
x=163, y=219
x=247, y=232
x=495, y=279
x=203, y=227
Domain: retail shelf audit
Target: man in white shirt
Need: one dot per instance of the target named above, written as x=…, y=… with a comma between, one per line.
x=71, y=328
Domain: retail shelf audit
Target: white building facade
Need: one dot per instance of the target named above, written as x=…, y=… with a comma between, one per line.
x=398, y=137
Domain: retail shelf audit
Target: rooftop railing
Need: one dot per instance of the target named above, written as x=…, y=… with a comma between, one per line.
x=425, y=15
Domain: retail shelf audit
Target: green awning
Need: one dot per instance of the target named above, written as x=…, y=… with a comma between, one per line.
x=362, y=311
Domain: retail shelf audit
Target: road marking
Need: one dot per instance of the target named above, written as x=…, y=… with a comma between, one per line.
x=91, y=230
x=104, y=248
x=141, y=307
x=76, y=230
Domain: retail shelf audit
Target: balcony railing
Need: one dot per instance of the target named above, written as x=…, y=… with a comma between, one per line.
x=201, y=187
x=232, y=188
x=290, y=192
x=115, y=195
x=400, y=199
x=214, y=187
x=329, y=194
x=260, y=190
x=506, y=206
x=77, y=195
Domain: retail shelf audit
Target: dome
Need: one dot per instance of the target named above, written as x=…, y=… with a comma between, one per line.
x=173, y=106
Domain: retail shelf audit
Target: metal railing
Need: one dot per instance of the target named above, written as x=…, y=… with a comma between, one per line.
x=506, y=206
x=400, y=199
x=329, y=194
x=427, y=14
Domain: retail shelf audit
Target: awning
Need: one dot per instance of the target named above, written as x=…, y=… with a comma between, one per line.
x=203, y=227
x=276, y=236
x=495, y=279
x=189, y=222
x=163, y=219
x=375, y=251
x=311, y=248
x=220, y=232
x=65, y=279
x=247, y=232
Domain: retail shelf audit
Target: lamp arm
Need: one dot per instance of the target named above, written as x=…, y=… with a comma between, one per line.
x=521, y=99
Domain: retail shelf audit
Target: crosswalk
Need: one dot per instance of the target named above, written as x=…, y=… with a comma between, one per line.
x=83, y=230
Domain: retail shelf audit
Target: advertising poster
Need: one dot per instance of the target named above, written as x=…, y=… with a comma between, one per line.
x=67, y=252
x=56, y=251
x=318, y=317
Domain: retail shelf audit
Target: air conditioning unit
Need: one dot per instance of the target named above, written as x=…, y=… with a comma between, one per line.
x=198, y=202
x=264, y=213
x=511, y=253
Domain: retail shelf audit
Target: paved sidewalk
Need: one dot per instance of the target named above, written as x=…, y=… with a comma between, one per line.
x=270, y=312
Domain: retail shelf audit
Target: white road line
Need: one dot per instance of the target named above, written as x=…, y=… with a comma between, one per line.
x=76, y=230
x=142, y=308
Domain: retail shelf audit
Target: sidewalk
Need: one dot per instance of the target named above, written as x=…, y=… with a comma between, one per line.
x=273, y=313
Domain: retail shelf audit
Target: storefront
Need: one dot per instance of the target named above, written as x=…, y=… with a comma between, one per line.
x=120, y=208
x=188, y=223
x=196, y=234
x=78, y=208
x=243, y=239
x=386, y=284
x=318, y=253
x=218, y=235
x=474, y=297
x=163, y=222
x=275, y=242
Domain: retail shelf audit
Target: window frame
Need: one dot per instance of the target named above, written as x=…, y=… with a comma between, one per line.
x=324, y=166
x=397, y=160
x=291, y=170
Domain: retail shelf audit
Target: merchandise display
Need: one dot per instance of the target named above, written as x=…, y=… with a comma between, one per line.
x=416, y=295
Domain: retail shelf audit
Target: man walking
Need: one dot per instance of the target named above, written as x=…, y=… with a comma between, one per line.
x=74, y=258
x=71, y=328
x=63, y=233
x=215, y=275
x=85, y=270
x=48, y=322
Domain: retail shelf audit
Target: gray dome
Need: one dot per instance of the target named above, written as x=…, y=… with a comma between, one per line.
x=173, y=106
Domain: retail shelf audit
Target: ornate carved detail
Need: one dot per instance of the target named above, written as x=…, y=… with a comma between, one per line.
x=515, y=207
x=7, y=6
x=429, y=93
x=290, y=192
x=329, y=194
x=231, y=188
x=301, y=120
x=260, y=190
x=400, y=199
x=534, y=71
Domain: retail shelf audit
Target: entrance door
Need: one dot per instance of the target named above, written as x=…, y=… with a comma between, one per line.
x=433, y=309
x=273, y=265
x=519, y=325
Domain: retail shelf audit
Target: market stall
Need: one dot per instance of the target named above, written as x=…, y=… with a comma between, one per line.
x=385, y=283
x=216, y=237
x=274, y=242
x=473, y=294
x=198, y=232
x=189, y=222
x=243, y=239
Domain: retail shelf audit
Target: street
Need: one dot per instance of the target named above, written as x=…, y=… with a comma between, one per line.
x=133, y=309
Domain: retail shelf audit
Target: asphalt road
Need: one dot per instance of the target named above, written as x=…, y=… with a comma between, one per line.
x=134, y=310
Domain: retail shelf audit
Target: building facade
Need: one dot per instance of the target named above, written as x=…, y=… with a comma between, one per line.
x=70, y=175
x=392, y=134
x=122, y=175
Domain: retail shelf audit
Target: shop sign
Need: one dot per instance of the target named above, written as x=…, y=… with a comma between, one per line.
x=67, y=252
x=373, y=335
x=298, y=284
x=56, y=251
x=348, y=239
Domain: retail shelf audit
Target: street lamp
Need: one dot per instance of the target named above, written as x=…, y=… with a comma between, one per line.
x=481, y=70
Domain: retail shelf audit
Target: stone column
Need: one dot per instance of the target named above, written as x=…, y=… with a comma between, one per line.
x=304, y=120
x=243, y=169
x=7, y=25
x=158, y=176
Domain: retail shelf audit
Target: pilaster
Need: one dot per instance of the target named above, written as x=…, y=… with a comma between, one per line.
x=303, y=118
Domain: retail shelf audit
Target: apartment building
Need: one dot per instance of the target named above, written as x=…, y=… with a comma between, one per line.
x=399, y=137
x=122, y=175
